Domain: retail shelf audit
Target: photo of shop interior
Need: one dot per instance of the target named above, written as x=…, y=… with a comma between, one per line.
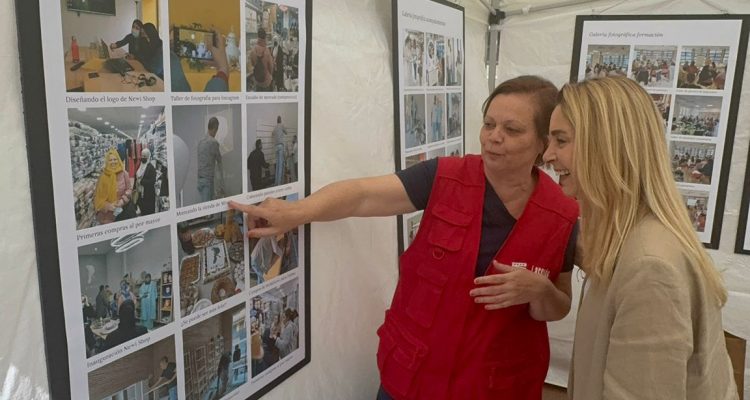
x=697, y=206
x=654, y=66
x=434, y=60
x=126, y=288
x=453, y=62
x=696, y=115
x=272, y=145
x=119, y=163
x=204, y=46
x=703, y=68
x=692, y=162
x=606, y=60
x=455, y=112
x=272, y=40
x=208, y=152
x=413, y=58
x=273, y=256
x=112, y=46
x=212, y=260
x=274, y=326
x=437, y=117
x=414, y=120
x=663, y=103
x=215, y=354
x=147, y=374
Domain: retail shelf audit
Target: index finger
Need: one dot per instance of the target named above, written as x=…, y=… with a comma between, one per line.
x=249, y=209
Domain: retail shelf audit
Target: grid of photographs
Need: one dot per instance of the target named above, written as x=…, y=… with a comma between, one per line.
x=162, y=268
x=686, y=84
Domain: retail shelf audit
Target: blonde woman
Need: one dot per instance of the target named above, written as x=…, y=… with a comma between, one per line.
x=649, y=325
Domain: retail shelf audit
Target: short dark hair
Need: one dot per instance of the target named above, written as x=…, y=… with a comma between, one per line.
x=213, y=124
x=261, y=33
x=278, y=119
x=544, y=93
x=258, y=143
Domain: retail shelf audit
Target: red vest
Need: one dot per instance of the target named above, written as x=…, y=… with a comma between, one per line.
x=436, y=343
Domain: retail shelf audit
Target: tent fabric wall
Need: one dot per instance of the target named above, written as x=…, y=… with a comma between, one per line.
x=352, y=136
x=542, y=43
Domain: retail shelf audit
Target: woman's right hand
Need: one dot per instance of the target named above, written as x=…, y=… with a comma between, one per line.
x=113, y=46
x=271, y=217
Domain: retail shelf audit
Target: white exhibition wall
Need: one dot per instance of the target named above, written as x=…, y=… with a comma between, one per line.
x=352, y=136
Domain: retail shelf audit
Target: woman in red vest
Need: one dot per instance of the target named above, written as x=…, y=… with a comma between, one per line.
x=479, y=211
x=649, y=325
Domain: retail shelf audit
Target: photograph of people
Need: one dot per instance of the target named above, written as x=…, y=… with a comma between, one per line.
x=696, y=115
x=455, y=115
x=414, y=120
x=663, y=103
x=204, y=47
x=275, y=161
x=274, y=326
x=435, y=60
x=272, y=40
x=274, y=256
x=415, y=159
x=119, y=163
x=454, y=150
x=654, y=66
x=445, y=267
x=212, y=260
x=606, y=60
x=112, y=49
x=650, y=322
x=692, y=162
x=696, y=203
x=454, y=64
x=130, y=279
x=148, y=373
x=412, y=226
x=413, y=58
x=436, y=106
x=703, y=67
x=215, y=354
x=209, y=150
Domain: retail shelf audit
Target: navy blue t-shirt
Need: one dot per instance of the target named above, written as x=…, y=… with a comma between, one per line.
x=496, y=220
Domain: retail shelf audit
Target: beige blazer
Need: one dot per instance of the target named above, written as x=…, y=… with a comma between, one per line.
x=654, y=332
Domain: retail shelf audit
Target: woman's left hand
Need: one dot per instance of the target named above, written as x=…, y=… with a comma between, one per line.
x=511, y=287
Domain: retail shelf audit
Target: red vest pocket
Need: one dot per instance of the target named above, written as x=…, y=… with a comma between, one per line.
x=425, y=299
x=400, y=355
x=448, y=229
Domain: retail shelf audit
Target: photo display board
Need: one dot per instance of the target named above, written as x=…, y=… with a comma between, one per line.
x=144, y=119
x=428, y=65
x=692, y=66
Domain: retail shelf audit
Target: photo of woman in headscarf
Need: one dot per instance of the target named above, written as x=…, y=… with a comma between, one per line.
x=146, y=178
x=113, y=190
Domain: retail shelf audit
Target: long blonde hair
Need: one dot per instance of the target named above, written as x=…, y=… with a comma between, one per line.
x=624, y=173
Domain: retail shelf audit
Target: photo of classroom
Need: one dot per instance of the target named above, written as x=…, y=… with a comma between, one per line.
x=208, y=152
x=273, y=256
x=215, y=354
x=696, y=203
x=415, y=159
x=663, y=103
x=274, y=326
x=454, y=62
x=606, y=60
x=272, y=40
x=212, y=260
x=696, y=115
x=692, y=162
x=204, y=46
x=703, y=67
x=119, y=162
x=436, y=109
x=455, y=113
x=126, y=288
x=413, y=58
x=412, y=226
x=454, y=150
x=414, y=114
x=272, y=146
x=654, y=66
x=149, y=373
x=434, y=60
x=112, y=46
